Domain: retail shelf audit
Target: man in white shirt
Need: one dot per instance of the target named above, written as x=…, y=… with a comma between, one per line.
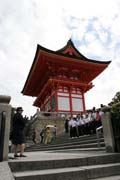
x=72, y=125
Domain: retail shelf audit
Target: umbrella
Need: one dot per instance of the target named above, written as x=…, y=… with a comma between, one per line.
x=50, y=126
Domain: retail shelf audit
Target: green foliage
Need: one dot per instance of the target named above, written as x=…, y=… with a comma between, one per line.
x=115, y=117
x=115, y=110
x=116, y=98
x=115, y=106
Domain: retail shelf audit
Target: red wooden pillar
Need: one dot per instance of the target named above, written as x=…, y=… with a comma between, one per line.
x=83, y=100
x=70, y=99
x=56, y=99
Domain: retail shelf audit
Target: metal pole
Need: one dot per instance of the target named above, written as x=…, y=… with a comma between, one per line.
x=2, y=134
x=98, y=137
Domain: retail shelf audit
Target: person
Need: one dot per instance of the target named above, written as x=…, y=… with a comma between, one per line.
x=72, y=126
x=18, y=135
x=66, y=125
x=79, y=124
x=98, y=119
x=42, y=134
x=48, y=135
x=54, y=131
x=33, y=136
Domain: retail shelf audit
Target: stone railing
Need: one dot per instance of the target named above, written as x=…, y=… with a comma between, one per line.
x=5, y=111
x=108, y=132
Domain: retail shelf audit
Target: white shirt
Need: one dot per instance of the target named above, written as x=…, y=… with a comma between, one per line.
x=72, y=123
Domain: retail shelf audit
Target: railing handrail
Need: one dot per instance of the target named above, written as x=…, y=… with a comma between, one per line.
x=2, y=133
x=98, y=137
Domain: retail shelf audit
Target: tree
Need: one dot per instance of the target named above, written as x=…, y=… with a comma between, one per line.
x=115, y=103
x=116, y=98
x=115, y=117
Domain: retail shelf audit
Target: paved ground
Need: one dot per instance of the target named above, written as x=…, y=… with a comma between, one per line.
x=39, y=155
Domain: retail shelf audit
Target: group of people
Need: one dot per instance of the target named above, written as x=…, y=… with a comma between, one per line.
x=84, y=124
x=47, y=134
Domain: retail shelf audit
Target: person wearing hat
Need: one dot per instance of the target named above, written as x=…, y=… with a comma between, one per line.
x=18, y=135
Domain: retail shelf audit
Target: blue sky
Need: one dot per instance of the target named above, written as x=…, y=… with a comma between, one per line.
x=92, y=25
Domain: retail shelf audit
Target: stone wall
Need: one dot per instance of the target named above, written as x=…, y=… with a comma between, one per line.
x=41, y=122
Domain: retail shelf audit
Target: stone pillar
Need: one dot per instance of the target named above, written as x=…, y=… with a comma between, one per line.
x=5, y=107
x=108, y=132
x=37, y=134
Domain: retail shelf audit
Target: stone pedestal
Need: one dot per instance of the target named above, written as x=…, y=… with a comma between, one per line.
x=108, y=132
x=5, y=107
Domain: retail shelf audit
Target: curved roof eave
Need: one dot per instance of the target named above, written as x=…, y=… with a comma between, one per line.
x=41, y=48
x=36, y=54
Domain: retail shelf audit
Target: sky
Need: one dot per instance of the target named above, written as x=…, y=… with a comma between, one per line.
x=92, y=25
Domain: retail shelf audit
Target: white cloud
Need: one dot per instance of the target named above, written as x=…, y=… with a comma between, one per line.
x=93, y=48
x=94, y=25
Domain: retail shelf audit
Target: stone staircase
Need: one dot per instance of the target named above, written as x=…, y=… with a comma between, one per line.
x=68, y=159
x=63, y=142
x=88, y=167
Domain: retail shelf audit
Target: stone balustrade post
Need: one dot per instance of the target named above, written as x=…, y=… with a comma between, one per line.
x=108, y=132
x=6, y=108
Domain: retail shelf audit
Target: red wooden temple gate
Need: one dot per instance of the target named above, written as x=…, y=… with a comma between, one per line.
x=59, y=79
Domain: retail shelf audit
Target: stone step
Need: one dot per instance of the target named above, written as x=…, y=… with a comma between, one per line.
x=90, y=145
x=77, y=173
x=62, y=143
x=42, y=146
x=117, y=177
x=77, y=141
x=27, y=165
x=68, y=139
x=81, y=138
x=94, y=149
x=56, y=142
x=53, y=174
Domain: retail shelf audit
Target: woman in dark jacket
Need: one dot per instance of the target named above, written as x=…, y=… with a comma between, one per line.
x=18, y=135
